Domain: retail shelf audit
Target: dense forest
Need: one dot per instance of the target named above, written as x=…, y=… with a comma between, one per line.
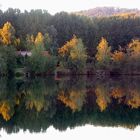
x=70, y=43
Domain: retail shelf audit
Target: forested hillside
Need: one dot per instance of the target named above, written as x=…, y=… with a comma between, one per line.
x=106, y=11
x=117, y=30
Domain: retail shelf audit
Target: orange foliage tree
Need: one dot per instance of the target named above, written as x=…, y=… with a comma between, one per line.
x=73, y=55
x=133, y=56
x=118, y=60
x=103, y=98
x=133, y=100
x=74, y=99
x=5, y=110
x=65, y=49
x=134, y=48
x=118, y=56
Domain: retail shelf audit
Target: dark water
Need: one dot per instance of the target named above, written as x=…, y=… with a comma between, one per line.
x=36, y=105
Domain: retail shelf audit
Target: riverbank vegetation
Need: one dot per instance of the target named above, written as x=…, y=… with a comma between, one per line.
x=40, y=44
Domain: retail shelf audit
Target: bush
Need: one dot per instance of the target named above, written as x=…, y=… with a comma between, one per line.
x=38, y=63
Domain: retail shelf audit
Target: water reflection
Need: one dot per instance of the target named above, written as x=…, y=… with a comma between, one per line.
x=36, y=104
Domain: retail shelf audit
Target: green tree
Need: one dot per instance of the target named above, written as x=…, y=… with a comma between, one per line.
x=8, y=60
x=50, y=64
x=39, y=62
x=3, y=66
x=47, y=42
x=36, y=62
x=29, y=42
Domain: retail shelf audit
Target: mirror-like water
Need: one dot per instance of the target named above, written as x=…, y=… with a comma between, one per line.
x=36, y=105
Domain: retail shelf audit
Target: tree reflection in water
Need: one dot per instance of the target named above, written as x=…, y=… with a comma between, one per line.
x=36, y=104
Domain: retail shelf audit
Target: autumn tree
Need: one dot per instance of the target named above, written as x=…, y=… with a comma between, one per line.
x=39, y=40
x=133, y=55
x=73, y=55
x=118, y=58
x=103, y=55
x=134, y=99
x=6, y=110
x=72, y=99
x=134, y=48
x=7, y=35
x=64, y=51
x=103, y=98
x=118, y=93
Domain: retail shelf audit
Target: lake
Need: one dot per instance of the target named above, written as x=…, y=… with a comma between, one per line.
x=70, y=107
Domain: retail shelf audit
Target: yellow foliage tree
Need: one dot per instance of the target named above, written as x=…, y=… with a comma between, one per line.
x=103, y=55
x=134, y=48
x=102, y=97
x=118, y=56
x=65, y=50
x=5, y=110
x=73, y=55
x=74, y=99
x=7, y=34
x=134, y=99
x=78, y=52
x=39, y=40
x=117, y=93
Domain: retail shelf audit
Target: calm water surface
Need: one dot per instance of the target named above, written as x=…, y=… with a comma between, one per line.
x=70, y=107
